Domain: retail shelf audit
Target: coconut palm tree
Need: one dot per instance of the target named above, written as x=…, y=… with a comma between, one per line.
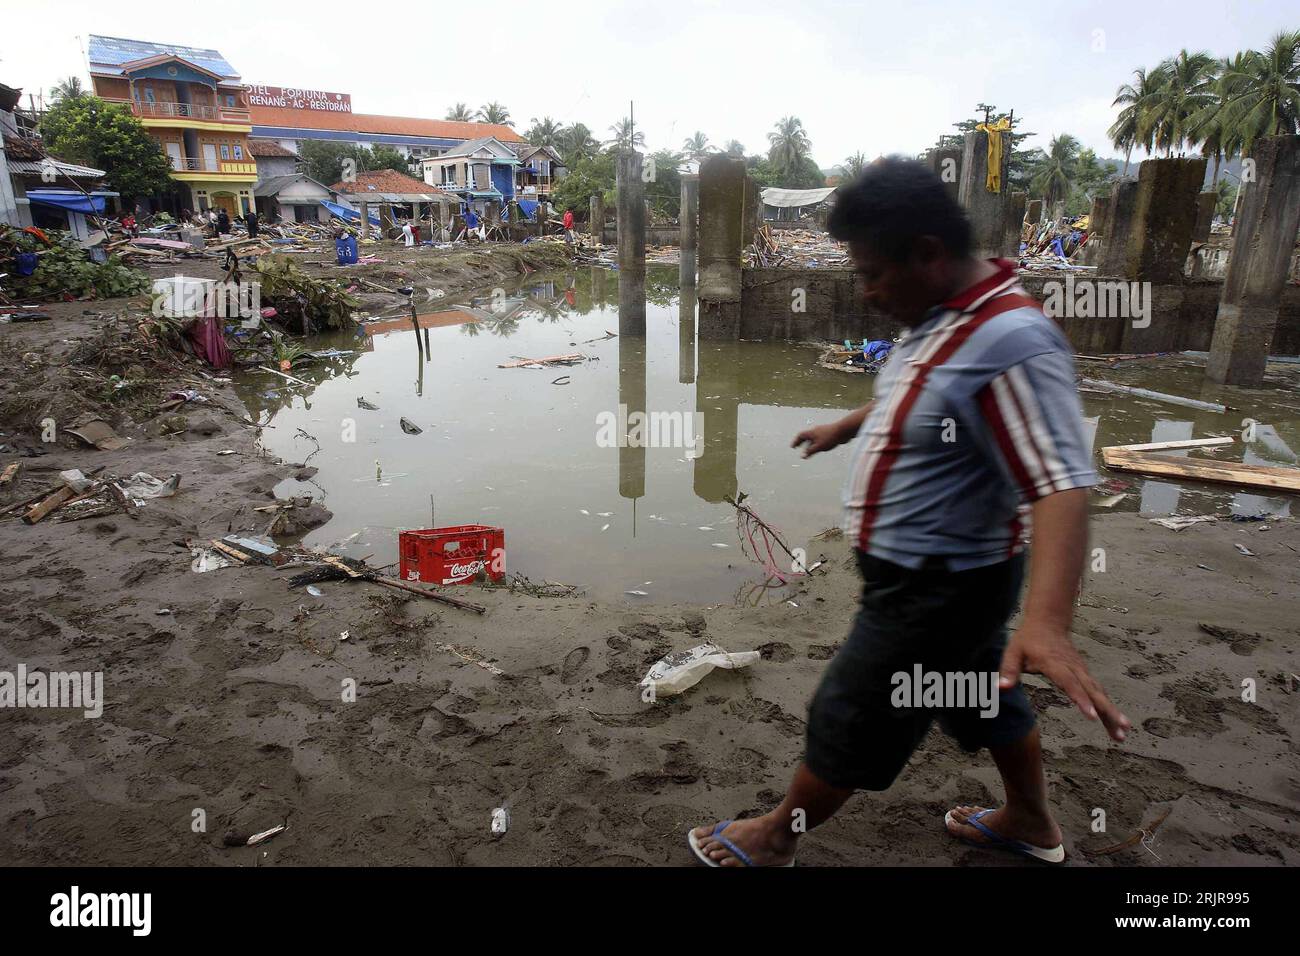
x=576, y=142
x=853, y=166
x=543, y=132
x=734, y=147
x=626, y=136
x=69, y=88
x=460, y=113
x=494, y=113
x=1135, y=97
x=1212, y=125
x=1265, y=85
x=1187, y=88
x=789, y=144
x=1053, y=175
x=697, y=146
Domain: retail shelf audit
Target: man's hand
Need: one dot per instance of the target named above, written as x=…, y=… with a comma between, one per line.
x=825, y=437
x=1047, y=650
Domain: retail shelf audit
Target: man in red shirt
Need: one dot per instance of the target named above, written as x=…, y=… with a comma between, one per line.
x=568, y=225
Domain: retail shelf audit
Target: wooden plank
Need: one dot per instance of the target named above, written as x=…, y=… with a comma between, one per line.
x=227, y=550
x=52, y=503
x=1172, y=445
x=10, y=474
x=1264, y=477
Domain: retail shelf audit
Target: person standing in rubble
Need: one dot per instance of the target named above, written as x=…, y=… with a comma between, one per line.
x=250, y=221
x=976, y=425
x=223, y=222
x=568, y=226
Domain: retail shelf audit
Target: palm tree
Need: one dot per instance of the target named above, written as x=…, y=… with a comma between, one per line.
x=625, y=135
x=697, y=146
x=734, y=147
x=69, y=88
x=543, y=132
x=789, y=144
x=576, y=142
x=853, y=166
x=1265, y=85
x=1187, y=88
x=1054, y=173
x=1135, y=98
x=1211, y=125
x=460, y=113
x=494, y=113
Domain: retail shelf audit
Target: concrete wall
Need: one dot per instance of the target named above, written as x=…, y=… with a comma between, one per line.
x=1182, y=315
x=654, y=235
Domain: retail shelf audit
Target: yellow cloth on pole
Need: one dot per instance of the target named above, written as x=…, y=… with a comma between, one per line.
x=993, y=181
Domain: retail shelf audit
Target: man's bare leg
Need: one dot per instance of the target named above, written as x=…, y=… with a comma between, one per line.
x=770, y=840
x=1026, y=815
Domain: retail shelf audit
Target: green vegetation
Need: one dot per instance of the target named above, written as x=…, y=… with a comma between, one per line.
x=85, y=129
x=323, y=161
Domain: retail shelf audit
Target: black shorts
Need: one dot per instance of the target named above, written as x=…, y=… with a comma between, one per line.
x=949, y=622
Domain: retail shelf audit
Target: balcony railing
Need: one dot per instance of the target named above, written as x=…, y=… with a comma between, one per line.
x=168, y=110
x=187, y=164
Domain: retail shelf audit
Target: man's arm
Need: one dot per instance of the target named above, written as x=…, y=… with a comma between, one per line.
x=825, y=437
x=1042, y=643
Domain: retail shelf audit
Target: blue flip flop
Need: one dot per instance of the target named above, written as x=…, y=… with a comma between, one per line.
x=998, y=842
x=736, y=851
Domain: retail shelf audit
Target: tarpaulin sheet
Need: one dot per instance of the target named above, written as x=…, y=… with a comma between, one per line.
x=343, y=212
x=791, y=198
x=73, y=202
x=529, y=208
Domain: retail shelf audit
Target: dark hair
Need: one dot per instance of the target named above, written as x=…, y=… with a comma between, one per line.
x=893, y=203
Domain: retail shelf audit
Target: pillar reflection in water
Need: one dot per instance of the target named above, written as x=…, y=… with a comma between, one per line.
x=686, y=336
x=631, y=384
x=717, y=395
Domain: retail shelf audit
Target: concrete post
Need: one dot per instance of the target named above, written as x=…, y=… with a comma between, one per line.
x=385, y=220
x=597, y=223
x=631, y=244
x=1205, y=203
x=1096, y=231
x=946, y=164
x=1164, y=214
x=1015, y=223
x=987, y=210
x=689, y=219
x=723, y=215
x=1034, y=211
x=1119, y=223
x=365, y=220
x=1267, y=218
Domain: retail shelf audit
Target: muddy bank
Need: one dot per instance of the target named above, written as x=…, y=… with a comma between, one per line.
x=232, y=702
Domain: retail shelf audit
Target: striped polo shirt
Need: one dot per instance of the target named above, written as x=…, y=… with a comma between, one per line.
x=975, y=416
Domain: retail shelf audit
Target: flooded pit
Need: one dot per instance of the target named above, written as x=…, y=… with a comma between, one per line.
x=508, y=448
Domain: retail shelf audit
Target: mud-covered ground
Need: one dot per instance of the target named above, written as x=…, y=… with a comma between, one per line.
x=231, y=703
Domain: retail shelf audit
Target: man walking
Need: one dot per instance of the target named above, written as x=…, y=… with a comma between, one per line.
x=975, y=422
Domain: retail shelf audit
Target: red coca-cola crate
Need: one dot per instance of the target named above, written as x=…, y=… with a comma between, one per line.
x=455, y=555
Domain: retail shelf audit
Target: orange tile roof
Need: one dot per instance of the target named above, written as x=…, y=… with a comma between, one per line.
x=372, y=123
x=385, y=181
x=268, y=147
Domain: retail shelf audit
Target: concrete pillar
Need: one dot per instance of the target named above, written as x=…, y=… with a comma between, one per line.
x=1091, y=253
x=1034, y=211
x=1119, y=223
x=365, y=219
x=1205, y=203
x=689, y=219
x=1015, y=223
x=946, y=164
x=631, y=244
x=723, y=215
x=597, y=223
x=1267, y=218
x=987, y=210
x=1164, y=214
x=1058, y=210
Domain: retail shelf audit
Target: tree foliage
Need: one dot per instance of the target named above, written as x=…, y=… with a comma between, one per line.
x=323, y=160
x=90, y=131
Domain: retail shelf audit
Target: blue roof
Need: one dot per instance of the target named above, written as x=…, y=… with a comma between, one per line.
x=114, y=51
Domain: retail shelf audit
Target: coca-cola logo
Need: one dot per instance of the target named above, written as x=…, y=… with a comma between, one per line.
x=459, y=571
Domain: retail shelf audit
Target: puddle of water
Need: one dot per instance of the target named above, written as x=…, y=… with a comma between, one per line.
x=506, y=447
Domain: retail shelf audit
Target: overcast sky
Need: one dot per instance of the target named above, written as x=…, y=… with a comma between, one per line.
x=876, y=77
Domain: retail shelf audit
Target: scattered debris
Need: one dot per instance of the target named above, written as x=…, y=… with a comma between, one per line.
x=676, y=673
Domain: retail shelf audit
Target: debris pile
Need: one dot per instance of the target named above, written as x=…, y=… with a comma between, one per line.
x=54, y=266
x=803, y=248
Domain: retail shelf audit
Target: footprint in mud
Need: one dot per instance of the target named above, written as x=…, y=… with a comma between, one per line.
x=821, y=652
x=750, y=709
x=1110, y=635
x=1239, y=641
x=777, y=651
x=1165, y=728
x=573, y=663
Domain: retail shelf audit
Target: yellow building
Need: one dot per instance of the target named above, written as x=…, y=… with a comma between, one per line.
x=193, y=102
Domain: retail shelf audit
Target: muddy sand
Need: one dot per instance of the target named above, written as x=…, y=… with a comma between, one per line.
x=230, y=703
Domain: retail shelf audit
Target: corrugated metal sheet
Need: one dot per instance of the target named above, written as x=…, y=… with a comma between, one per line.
x=114, y=51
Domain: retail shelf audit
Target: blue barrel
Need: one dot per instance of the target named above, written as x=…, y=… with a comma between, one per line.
x=26, y=262
x=347, y=250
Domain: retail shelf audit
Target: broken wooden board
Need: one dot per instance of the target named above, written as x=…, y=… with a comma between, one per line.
x=1172, y=445
x=1261, y=477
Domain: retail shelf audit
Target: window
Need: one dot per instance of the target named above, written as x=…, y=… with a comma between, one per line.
x=230, y=100
x=225, y=151
x=239, y=151
x=148, y=94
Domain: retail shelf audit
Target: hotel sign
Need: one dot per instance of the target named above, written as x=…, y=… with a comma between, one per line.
x=296, y=99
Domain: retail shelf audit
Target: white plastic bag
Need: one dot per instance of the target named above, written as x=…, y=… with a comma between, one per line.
x=675, y=673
